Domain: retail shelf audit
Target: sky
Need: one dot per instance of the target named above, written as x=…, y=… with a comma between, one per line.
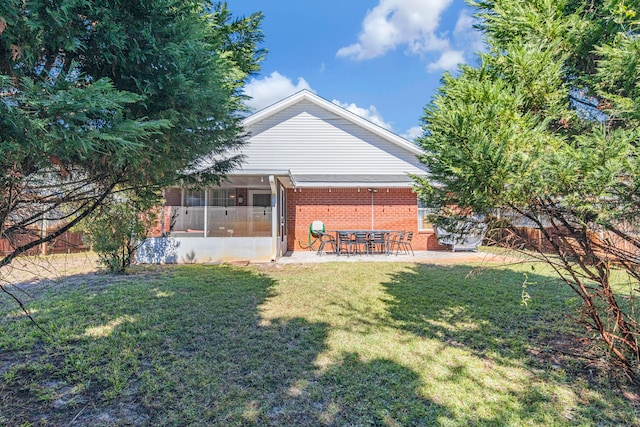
x=381, y=59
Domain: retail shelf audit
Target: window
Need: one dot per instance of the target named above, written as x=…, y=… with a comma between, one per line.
x=262, y=200
x=194, y=198
x=216, y=197
x=222, y=197
x=424, y=213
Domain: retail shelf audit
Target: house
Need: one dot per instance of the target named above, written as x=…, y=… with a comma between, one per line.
x=307, y=159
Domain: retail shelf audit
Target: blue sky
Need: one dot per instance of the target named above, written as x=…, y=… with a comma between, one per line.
x=382, y=59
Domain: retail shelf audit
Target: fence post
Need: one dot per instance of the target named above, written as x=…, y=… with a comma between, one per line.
x=43, y=245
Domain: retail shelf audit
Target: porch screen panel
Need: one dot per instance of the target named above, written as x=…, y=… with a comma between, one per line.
x=239, y=221
x=194, y=198
x=222, y=197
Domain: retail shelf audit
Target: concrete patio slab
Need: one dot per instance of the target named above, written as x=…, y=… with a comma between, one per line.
x=423, y=257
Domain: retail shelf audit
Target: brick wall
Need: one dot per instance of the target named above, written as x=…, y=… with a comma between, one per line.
x=173, y=196
x=341, y=208
x=348, y=208
x=244, y=193
x=164, y=218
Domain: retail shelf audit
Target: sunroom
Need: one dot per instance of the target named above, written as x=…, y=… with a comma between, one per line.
x=242, y=219
x=220, y=212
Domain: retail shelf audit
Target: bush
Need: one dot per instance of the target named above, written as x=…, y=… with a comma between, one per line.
x=117, y=230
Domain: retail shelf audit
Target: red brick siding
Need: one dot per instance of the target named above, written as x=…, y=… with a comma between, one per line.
x=156, y=229
x=173, y=196
x=245, y=194
x=342, y=208
x=348, y=208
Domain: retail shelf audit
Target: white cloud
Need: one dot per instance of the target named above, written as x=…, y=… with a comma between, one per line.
x=399, y=22
x=275, y=87
x=370, y=113
x=415, y=26
x=271, y=89
x=465, y=41
x=448, y=60
x=464, y=23
x=467, y=36
x=412, y=133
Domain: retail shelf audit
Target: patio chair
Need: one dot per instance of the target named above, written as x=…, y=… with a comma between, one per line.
x=325, y=239
x=405, y=244
x=377, y=240
x=464, y=236
x=395, y=240
x=361, y=241
x=346, y=242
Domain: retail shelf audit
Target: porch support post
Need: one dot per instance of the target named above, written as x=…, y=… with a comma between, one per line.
x=206, y=202
x=274, y=217
x=43, y=234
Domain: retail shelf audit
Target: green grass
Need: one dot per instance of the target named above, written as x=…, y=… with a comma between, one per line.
x=325, y=344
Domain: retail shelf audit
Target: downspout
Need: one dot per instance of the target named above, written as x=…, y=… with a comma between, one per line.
x=274, y=217
x=206, y=202
x=162, y=220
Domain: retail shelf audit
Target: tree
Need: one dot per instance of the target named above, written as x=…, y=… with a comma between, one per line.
x=545, y=128
x=97, y=97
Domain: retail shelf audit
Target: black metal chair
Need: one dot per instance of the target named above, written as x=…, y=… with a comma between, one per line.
x=325, y=239
x=395, y=240
x=405, y=244
x=345, y=242
x=361, y=241
x=377, y=240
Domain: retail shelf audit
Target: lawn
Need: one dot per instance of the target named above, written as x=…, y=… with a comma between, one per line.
x=390, y=344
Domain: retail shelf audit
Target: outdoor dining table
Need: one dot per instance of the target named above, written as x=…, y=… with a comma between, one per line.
x=349, y=234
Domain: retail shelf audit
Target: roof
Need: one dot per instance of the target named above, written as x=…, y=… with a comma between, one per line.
x=306, y=95
x=320, y=144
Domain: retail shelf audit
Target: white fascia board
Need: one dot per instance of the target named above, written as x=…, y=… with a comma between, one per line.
x=273, y=109
x=257, y=172
x=352, y=185
x=306, y=95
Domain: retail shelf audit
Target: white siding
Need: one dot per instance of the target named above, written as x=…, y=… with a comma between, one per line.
x=307, y=139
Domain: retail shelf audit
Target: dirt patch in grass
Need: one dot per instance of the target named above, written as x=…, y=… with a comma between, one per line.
x=52, y=267
x=29, y=277
x=56, y=402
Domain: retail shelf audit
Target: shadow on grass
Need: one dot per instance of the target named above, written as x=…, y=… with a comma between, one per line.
x=376, y=392
x=187, y=346
x=481, y=309
x=483, y=314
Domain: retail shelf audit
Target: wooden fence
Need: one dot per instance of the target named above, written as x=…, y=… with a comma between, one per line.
x=68, y=242
x=533, y=239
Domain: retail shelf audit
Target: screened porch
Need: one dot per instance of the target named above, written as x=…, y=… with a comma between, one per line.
x=218, y=221
x=220, y=212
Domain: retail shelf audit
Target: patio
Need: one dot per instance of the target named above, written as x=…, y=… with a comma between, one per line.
x=421, y=257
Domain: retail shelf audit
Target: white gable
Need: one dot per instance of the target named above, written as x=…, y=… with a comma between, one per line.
x=305, y=136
